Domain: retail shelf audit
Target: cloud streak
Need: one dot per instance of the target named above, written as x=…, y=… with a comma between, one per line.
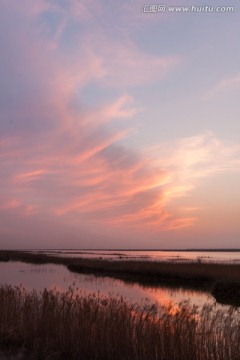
x=223, y=86
x=64, y=163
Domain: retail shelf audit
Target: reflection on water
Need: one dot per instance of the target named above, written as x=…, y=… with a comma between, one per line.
x=60, y=278
x=175, y=256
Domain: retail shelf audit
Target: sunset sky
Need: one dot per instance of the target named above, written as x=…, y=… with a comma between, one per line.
x=119, y=128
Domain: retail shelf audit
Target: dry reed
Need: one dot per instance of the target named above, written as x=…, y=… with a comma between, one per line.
x=72, y=325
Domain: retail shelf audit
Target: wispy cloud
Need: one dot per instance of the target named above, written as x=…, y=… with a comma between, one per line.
x=63, y=162
x=223, y=86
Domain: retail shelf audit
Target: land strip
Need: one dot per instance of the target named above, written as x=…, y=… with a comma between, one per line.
x=221, y=280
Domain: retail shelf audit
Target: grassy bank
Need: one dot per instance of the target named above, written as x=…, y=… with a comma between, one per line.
x=50, y=325
x=218, y=279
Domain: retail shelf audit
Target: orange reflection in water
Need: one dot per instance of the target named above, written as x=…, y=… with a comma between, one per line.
x=58, y=278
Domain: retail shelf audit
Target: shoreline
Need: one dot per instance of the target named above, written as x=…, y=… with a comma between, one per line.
x=220, y=280
x=130, y=249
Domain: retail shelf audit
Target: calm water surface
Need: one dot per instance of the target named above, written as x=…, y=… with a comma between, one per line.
x=58, y=277
x=147, y=255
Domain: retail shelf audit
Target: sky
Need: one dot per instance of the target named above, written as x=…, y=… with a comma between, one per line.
x=119, y=124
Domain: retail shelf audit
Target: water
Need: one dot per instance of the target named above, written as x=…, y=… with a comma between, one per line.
x=150, y=255
x=58, y=277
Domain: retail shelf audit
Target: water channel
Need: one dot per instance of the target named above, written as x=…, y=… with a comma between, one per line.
x=59, y=278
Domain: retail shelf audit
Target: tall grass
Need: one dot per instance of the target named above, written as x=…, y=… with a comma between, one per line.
x=51, y=325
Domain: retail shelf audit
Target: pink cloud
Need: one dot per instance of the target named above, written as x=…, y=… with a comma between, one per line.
x=16, y=207
x=64, y=164
x=29, y=176
x=127, y=66
x=10, y=204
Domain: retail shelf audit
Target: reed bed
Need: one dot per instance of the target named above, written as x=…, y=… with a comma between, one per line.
x=221, y=280
x=72, y=325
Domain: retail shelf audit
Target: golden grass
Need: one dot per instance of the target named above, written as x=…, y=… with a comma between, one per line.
x=51, y=325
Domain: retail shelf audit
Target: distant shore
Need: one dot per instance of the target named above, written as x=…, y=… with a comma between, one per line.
x=221, y=280
x=130, y=249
